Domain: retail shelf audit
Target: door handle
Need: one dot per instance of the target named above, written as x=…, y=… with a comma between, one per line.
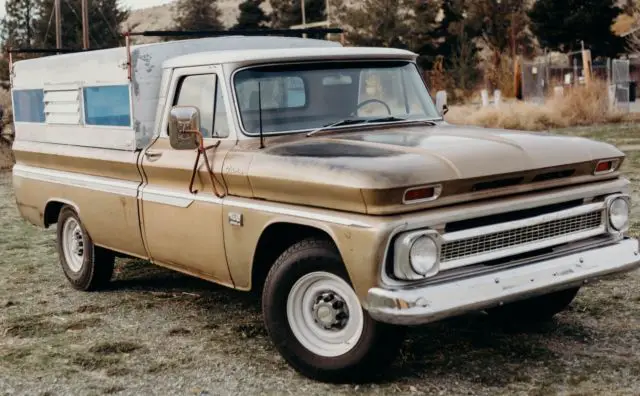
x=152, y=155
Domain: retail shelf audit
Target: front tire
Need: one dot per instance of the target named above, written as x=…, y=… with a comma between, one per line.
x=315, y=319
x=86, y=266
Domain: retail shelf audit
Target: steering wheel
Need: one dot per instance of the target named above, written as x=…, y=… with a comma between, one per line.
x=366, y=102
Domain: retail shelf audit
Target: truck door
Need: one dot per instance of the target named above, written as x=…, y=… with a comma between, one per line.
x=183, y=230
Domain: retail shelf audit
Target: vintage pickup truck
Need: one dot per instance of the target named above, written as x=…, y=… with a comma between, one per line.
x=321, y=176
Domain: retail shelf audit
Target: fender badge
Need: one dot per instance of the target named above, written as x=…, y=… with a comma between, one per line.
x=235, y=219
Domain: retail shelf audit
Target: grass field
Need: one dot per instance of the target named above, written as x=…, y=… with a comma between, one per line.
x=159, y=332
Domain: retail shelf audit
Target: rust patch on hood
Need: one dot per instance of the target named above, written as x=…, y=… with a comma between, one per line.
x=367, y=170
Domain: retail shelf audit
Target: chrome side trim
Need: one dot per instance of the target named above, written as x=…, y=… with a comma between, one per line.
x=306, y=214
x=435, y=302
x=171, y=197
x=96, y=183
x=167, y=197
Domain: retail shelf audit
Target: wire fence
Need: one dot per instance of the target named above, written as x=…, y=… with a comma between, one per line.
x=541, y=80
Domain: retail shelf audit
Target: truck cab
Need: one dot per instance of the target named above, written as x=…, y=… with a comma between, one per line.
x=321, y=176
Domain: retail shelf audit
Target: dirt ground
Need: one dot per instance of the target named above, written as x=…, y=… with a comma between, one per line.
x=159, y=332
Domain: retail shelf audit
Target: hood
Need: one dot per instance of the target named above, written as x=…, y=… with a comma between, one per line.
x=368, y=170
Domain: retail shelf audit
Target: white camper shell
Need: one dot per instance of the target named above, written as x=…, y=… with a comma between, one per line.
x=109, y=98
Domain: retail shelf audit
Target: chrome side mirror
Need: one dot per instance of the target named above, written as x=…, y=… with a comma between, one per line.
x=184, y=127
x=441, y=102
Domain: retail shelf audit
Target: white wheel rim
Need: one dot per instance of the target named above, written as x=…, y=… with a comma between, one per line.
x=73, y=244
x=318, y=325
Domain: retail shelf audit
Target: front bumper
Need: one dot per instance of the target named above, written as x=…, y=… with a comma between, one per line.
x=434, y=302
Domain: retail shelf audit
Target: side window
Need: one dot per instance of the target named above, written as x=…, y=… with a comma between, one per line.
x=198, y=90
x=204, y=92
x=221, y=120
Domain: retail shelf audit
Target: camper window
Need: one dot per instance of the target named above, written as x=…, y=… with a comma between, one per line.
x=28, y=105
x=107, y=106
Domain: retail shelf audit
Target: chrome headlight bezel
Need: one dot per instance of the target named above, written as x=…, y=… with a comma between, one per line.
x=402, y=266
x=624, y=226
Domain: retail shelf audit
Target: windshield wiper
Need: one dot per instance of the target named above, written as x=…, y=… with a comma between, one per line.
x=399, y=119
x=352, y=121
x=348, y=121
x=387, y=119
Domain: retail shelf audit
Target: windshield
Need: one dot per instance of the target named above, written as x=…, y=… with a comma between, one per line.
x=304, y=97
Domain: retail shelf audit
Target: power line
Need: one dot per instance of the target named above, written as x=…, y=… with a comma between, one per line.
x=115, y=35
x=53, y=7
x=80, y=20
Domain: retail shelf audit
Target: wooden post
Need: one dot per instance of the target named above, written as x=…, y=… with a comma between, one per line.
x=85, y=24
x=586, y=66
x=517, y=78
x=58, y=24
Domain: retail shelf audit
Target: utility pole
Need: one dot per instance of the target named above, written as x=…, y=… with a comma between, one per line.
x=58, y=24
x=85, y=24
x=304, y=16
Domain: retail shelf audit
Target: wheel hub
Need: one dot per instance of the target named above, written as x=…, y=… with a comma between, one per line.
x=73, y=245
x=330, y=311
x=77, y=245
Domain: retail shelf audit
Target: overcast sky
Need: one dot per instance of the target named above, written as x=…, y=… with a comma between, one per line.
x=133, y=4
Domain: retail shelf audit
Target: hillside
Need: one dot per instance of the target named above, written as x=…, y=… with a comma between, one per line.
x=161, y=17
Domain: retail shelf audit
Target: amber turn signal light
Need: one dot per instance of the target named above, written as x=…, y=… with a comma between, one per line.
x=422, y=194
x=606, y=166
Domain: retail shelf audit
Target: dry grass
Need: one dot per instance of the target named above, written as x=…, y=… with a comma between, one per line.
x=580, y=106
x=6, y=155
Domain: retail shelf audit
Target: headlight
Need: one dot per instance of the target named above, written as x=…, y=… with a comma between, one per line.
x=619, y=214
x=423, y=256
x=416, y=255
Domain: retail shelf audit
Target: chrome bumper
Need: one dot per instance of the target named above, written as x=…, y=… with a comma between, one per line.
x=434, y=302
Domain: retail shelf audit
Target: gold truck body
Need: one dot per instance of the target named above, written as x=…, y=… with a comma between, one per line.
x=512, y=215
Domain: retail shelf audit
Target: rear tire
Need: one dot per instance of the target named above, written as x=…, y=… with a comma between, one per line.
x=315, y=319
x=86, y=266
x=536, y=309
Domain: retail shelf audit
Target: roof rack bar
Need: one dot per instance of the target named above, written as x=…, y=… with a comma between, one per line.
x=235, y=32
x=48, y=50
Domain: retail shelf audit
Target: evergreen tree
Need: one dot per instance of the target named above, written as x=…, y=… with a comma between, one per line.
x=198, y=15
x=503, y=28
x=17, y=25
x=286, y=13
x=562, y=25
x=502, y=25
x=385, y=23
x=105, y=19
x=424, y=25
x=251, y=15
x=458, y=46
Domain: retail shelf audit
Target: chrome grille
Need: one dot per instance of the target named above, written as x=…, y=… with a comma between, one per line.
x=492, y=242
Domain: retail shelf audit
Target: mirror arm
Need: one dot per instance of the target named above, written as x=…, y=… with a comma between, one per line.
x=202, y=151
x=193, y=174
